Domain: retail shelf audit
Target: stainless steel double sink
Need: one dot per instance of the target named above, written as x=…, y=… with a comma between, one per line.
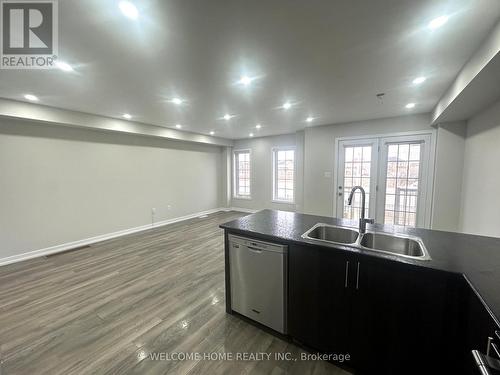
x=395, y=244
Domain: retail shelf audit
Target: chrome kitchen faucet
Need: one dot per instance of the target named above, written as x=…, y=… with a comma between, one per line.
x=362, y=220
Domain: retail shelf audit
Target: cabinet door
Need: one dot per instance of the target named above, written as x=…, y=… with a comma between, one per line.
x=398, y=318
x=319, y=301
x=478, y=326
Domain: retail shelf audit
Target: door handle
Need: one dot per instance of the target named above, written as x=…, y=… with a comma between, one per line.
x=492, y=345
x=496, y=349
x=488, y=345
x=357, y=277
x=346, y=273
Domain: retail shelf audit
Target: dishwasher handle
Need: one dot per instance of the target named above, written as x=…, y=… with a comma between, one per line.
x=256, y=245
x=254, y=249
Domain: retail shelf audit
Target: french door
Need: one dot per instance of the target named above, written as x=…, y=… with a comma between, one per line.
x=394, y=171
x=357, y=167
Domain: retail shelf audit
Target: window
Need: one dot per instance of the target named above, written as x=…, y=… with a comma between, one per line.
x=284, y=175
x=242, y=174
x=402, y=184
x=357, y=162
x=393, y=171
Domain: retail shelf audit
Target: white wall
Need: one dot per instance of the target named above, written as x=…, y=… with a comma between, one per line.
x=320, y=158
x=448, y=177
x=225, y=177
x=59, y=185
x=479, y=61
x=262, y=171
x=23, y=111
x=316, y=159
x=481, y=181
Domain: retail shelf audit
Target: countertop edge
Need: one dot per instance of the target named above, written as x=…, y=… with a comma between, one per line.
x=419, y=264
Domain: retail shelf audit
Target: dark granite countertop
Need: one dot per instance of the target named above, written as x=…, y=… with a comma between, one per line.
x=476, y=257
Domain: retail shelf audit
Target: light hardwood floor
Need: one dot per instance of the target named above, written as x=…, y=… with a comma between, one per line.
x=104, y=308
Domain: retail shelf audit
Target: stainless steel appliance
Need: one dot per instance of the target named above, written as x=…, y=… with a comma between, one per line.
x=258, y=281
x=489, y=363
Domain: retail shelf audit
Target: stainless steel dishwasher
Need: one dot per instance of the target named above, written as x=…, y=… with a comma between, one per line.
x=258, y=280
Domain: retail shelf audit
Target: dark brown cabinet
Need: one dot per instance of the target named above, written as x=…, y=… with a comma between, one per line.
x=319, y=298
x=399, y=318
x=391, y=317
x=478, y=327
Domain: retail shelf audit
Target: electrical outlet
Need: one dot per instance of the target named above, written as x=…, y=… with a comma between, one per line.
x=153, y=211
x=169, y=207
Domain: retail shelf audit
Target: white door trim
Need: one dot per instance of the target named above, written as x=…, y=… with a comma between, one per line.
x=431, y=166
x=424, y=209
x=374, y=143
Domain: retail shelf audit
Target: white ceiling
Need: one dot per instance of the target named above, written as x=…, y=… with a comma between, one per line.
x=330, y=58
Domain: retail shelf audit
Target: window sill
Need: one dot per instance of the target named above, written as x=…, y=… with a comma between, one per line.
x=242, y=198
x=283, y=202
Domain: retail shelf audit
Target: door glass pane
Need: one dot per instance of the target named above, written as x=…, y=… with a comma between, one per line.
x=242, y=172
x=357, y=172
x=284, y=179
x=402, y=184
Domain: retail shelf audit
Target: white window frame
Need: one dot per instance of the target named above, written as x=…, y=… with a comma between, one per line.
x=373, y=142
x=275, y=173
x=425, y=141
x=235, y=175
x=425, y=213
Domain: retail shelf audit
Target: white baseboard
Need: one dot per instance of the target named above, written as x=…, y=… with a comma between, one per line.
x=240, y=209
x=87, y=241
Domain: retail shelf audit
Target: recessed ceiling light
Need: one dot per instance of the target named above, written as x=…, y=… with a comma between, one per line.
x=127, y=116
x=410, y=105
x=64, y=66
x=33, y=98
x=258, y=126
x=178, y=126
x=438, y=22
x=227, y=117
x=310, y=119
x=245, y=80
x=128, y=9
x=177, y=101
x=287, y=105
x=250, y=135
x=212, y=132
x=419, y=80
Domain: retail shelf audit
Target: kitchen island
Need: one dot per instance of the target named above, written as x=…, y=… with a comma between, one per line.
x=390, y=313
